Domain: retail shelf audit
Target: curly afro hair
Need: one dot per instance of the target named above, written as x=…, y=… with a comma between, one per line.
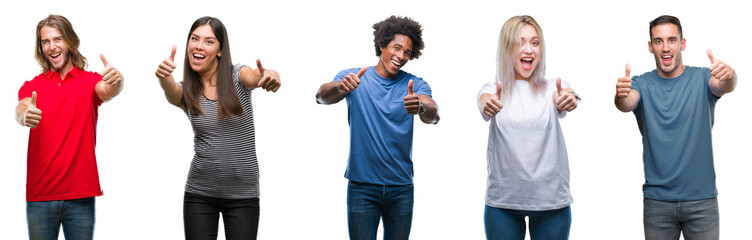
x=384, y=31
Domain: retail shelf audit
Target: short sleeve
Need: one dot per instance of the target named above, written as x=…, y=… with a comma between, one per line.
x=93, y=79
x=344, y=73
x=25, y=91
x=421, y=87
x=236, y=76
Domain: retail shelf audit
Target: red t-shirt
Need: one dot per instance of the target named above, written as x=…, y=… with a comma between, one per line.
x=61, y=160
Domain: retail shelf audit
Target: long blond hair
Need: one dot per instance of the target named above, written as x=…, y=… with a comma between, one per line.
x=509, y=38
x=69, y=36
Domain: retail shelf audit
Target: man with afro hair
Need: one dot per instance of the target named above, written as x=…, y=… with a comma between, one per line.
x=382, y=101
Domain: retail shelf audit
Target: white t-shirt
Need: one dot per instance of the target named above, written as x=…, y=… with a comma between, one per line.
x=528, y=168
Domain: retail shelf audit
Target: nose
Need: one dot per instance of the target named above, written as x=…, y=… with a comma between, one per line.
x=526, y=48
x=400, y=55
x=665, y=47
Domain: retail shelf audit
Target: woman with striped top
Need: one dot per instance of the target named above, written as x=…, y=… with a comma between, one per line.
x=216, y=97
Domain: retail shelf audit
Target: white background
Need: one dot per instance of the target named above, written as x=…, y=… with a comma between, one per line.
x=145, y=145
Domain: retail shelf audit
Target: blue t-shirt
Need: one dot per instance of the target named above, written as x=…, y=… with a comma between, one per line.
x=381, y=130
x=675, y=117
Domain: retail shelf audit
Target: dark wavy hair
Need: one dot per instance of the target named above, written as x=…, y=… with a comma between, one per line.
x=69, y=36
x=384, y=31
x=665, y=19
x=193, y=87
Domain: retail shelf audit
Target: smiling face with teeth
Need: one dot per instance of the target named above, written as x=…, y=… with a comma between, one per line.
x=394, y=56
x=666, y=45
x=203, y=50
x=526, y=55
x=55, y=49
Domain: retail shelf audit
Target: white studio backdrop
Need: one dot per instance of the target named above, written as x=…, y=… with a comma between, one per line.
x=145, y=145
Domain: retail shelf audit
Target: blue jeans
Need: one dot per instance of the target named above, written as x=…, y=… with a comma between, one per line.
x=76, y=215
x=367, y=203
x=695, y=219
x=201, y=217
x=510, y=224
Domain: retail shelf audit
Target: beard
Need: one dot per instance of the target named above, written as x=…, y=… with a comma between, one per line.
x=66, y=58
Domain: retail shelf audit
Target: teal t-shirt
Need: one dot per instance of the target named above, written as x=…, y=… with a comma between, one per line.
x=675, y=117
x=381, y=130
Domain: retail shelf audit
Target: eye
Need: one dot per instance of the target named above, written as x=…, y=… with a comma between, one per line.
x=408, y=53
x=194, y=39
x=210, y=42
x=536, y=44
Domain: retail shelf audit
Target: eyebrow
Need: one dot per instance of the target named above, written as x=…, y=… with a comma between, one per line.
x=194, y=35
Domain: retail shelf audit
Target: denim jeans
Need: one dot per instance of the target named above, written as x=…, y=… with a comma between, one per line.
x=368, y=203
x=201, y=217
x=510, y=224
x=697, y=220
x=76, y=215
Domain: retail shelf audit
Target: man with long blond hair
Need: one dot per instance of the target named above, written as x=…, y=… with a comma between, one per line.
x=62, y=178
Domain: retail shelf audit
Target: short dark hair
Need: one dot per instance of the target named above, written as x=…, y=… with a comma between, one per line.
x=665, y=19
x=384, y=31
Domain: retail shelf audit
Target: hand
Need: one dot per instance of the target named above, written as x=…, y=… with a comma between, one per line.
x=168, y=65
x=351, y=81
x=564, y=99
x=269, y=78
x=33, y=115
x=412, y=102
x=493, y=105
x=110, y=75
x=718, y=69
x=624, y=85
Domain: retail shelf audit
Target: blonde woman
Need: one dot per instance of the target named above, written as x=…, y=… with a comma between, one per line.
x=528, y=169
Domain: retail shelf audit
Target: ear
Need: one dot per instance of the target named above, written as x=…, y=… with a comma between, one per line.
x=650, y=46
x=683, y=43
x=219, y=54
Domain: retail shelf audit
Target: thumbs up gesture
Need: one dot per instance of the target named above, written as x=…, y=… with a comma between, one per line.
x=167, y=66
x=110, y=75
x=718, y=69
x=564, y=99
x=351, y=81
x=412, y=102
x=493, y=104
x=269, y=78
x=33, y=115
x=624, y=85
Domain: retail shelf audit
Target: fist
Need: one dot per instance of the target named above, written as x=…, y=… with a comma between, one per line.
x=493, y=105
x=167, y=66
x=624, y=85
x=351, y=81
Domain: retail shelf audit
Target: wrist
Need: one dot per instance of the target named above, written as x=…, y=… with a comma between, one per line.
x=421, y=108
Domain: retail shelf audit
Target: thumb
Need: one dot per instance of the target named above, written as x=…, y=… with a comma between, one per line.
x=498, y=90
x=710, y=55
x=34, y=99
x=104, y=60
x=260, y=68
x=172, y=54
x=628, y=70
x=410, y=87
x=362, y=71
x=558, y=85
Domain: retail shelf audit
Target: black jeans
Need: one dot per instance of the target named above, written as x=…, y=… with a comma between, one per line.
x=201, y=217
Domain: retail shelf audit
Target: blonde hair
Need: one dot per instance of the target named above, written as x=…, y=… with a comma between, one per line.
x=509, y=38
x=69, y=36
